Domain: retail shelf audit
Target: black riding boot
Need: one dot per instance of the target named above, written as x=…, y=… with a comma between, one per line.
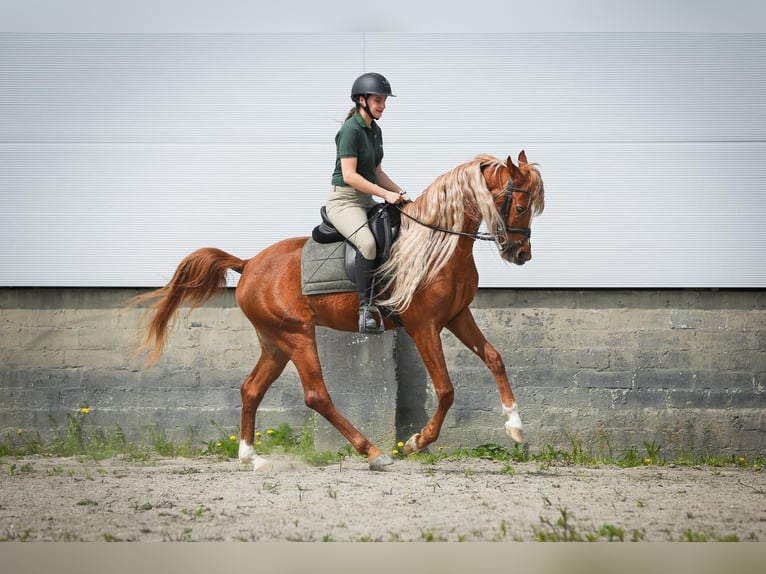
x=364, y=286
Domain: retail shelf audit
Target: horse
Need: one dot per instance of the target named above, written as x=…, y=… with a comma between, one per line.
x=429, y=279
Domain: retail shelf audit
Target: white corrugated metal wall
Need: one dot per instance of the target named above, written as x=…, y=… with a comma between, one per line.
x=122, y=153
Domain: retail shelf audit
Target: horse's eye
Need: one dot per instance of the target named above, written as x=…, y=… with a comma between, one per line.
x=520, y=210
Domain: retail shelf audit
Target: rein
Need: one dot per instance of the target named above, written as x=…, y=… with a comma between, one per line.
x=504, y=212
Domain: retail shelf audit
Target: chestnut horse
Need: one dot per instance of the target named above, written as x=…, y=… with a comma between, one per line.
x=430, y=279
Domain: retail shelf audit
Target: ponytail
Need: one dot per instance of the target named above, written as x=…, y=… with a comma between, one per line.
x=351, y=112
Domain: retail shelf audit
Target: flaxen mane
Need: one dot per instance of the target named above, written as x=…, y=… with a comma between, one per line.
x=420, y=252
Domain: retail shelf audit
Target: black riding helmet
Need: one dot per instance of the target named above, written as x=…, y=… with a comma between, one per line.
x=370, y=84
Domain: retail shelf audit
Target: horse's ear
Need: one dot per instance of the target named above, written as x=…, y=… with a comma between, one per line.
x=522, y=157
x=511, y=166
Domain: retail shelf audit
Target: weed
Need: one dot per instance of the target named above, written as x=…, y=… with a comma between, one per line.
x=79, y=438
x=186, y=470
x=504, y=528
x=271, y=487
x=490, y=451
x=612, y=533
x=227, y=446
x=57, y=470
x=10, y=534
x=691, y=536
x=431, y=536
x=630, y=458
x=198, y=513
x=561, y=531
x=653, y=453
x=184, y=536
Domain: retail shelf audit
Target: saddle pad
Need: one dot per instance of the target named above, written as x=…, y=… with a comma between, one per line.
x=323, y=268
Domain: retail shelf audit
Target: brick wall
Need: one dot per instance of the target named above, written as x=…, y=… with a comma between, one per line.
x=601, y=369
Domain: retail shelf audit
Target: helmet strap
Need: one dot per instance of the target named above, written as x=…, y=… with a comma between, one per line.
x=366, y=108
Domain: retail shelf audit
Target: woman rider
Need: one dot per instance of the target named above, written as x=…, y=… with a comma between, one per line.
x=357, y=179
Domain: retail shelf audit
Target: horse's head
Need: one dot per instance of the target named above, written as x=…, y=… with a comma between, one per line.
x=519, y=195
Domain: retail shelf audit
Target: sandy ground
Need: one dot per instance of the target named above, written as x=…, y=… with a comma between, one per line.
x=204, y=499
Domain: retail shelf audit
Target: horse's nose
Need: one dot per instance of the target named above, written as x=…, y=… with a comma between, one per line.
x=522, y=256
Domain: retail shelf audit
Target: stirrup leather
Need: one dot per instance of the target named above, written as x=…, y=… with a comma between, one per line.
x=370, y=320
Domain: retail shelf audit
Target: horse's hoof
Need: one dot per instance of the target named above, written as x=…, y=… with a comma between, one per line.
x=380, y=462
x=262, y=465
x=515, y=433
x=513, y=424
x=412, y=444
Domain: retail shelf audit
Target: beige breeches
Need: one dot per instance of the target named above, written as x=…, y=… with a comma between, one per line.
x=347, y=211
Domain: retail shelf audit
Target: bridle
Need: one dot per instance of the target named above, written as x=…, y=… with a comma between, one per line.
x=505, y=211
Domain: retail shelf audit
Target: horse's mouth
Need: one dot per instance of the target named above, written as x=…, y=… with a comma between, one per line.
x=516, y=256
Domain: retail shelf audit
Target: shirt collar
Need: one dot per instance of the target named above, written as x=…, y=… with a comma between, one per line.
x=360, y=120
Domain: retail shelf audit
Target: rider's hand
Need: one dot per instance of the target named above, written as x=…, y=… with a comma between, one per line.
x=393, y=197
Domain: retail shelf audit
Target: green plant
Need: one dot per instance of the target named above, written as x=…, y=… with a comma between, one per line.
x=630, y=458
x=227, y=446
x=561, y=531
x=491, y=451
x=653, y=453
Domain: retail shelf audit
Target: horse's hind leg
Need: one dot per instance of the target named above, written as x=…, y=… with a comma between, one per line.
x=306, y=360
x=270, y=365
x=464, y=328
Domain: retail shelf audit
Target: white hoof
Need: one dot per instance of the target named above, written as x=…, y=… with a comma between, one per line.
x=247, y=456
x=513, y=426
x=516, y=434
x=412, y=444
x=260, y=464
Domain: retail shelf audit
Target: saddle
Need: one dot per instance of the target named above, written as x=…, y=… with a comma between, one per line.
x=383, y=219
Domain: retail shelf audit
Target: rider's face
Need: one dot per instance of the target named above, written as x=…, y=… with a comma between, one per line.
x=376, y=104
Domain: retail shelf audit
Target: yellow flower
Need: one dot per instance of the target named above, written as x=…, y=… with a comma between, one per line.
x=647, y=461
x=257, y=433
x=258, y=443
x=219, y=443
x=400, y=444
x=270, y=431
x=742, y=459
x=85, y=410
x=395, y=451
x=232, y=437
x=19, y=432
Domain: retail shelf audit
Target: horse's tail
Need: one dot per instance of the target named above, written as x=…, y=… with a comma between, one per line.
x=198, y=277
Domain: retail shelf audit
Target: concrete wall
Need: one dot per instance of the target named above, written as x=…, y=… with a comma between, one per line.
x=601, y=369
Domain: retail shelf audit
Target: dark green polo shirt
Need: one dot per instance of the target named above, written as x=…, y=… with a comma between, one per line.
x=355, y=139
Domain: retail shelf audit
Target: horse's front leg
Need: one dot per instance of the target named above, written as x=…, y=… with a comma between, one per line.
x=429, y=346
x=464, y=327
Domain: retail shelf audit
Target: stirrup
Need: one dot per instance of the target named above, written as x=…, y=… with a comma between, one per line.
x=368, y=322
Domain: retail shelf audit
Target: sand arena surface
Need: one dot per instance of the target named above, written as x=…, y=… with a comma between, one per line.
x=468, y=499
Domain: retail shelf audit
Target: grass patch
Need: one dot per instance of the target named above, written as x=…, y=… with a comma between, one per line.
x=79, y=437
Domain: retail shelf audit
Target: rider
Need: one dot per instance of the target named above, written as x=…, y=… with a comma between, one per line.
x=358, y=176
